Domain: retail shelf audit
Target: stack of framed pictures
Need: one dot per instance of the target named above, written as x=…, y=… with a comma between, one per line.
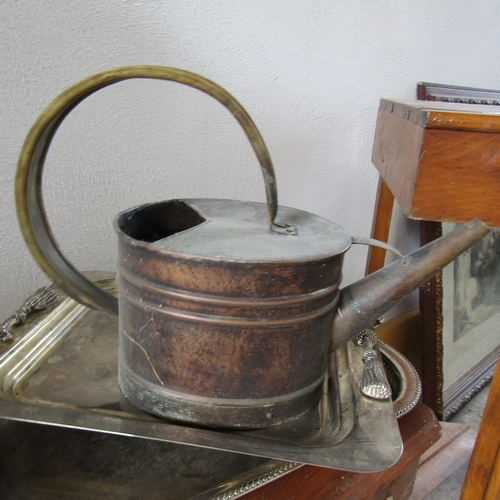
x=440, y=161
x=461, y=306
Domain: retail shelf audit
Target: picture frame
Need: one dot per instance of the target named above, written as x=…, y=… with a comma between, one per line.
x=453, y=93
x=460, y=309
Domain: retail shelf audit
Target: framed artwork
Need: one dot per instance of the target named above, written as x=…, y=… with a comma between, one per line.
x=460, y=308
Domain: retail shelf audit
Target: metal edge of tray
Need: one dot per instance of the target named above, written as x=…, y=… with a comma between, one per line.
x=409, y=393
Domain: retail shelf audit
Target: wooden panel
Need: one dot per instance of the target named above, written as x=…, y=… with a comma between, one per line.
x=396, y=153
x=458, y=177
x=441, y=161
x=404, y=333
x=380, y=227
x=419, y=430
x=482, y=481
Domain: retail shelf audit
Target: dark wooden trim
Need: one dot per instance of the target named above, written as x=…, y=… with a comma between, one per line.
x=431, y=295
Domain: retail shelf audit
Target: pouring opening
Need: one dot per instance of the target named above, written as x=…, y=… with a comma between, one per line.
x=156, y=221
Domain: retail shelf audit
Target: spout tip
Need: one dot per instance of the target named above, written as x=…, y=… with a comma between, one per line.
x=477, y=223
x=477, y=227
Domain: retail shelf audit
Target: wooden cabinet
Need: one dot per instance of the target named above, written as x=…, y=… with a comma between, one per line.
x=441, y=161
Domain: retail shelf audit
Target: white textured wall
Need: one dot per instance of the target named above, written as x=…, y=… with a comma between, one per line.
x=310, y=74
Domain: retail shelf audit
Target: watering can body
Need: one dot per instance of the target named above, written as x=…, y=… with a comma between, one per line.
x=223, y=320
x=227, y=310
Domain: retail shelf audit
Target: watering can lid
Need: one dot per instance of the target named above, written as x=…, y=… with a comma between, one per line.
x=239, y=231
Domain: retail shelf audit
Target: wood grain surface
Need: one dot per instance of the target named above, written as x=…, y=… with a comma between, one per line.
x=380, y=227
x=482, y=481
x=441, y=161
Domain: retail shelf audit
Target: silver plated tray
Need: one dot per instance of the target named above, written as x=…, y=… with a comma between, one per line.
x=61, y=369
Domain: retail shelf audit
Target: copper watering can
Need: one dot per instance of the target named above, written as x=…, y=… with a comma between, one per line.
x=228, y=310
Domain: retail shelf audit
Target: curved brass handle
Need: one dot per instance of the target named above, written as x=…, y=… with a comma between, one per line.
x=29, y=200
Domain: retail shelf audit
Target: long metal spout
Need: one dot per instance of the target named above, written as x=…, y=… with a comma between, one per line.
x=361, y=303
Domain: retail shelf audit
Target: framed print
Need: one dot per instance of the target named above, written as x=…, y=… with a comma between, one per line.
x=461, y=323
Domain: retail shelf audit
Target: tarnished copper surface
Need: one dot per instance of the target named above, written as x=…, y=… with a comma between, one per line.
x=208, y=337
